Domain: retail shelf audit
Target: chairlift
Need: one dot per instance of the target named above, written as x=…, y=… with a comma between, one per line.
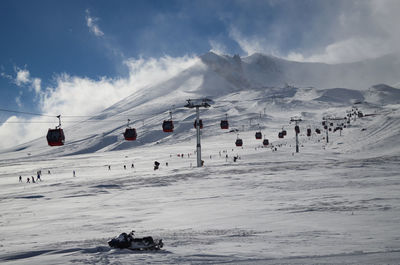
x=130, y=133
x=55, y=137
x=224, y=123
x=168, y=125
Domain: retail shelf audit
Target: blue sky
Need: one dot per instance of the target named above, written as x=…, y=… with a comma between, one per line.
x=47, y=45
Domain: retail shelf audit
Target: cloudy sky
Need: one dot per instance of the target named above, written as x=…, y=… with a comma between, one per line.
x=78, y=57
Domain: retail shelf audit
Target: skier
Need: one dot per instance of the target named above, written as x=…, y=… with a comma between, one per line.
x=33, y=179
x=132, y=166
x=28, y=180
x=73, y=173
x=20, y=178
x=156, y=165
x=38, y=178
x=125, y=167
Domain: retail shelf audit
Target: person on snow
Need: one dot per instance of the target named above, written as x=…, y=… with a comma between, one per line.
x=156, y=165
x=20, y=178
x=33, y=179
x=28, y=180
x=125, y=167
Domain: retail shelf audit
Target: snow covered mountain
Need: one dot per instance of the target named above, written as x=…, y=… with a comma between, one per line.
x=334, y=202
x=240, y=87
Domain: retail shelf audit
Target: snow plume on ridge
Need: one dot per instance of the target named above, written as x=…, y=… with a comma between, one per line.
x=77, y=96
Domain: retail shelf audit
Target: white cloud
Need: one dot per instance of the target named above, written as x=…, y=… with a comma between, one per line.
x=345, y=31
x=18, y=99
x=92, y=25
x=36, y=83
x=77, y=96
x=22, y=77
x=350, y=50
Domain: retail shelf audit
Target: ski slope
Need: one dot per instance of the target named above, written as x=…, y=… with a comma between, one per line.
x=331, y=203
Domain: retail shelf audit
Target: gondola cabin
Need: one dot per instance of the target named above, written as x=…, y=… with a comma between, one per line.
x=130, y=134
x=308, y=132
x=318, y=131
x=168, y=126
x=239, y=142
x=200, y=122
x=284, y=133
x=323, y=123
x=326, y=127
x=265, y=142
x=55, y=137
x=258, y=135
x=280, y=135
x=297, y=129
x=224, y=124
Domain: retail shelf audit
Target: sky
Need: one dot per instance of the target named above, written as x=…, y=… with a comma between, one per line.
x=78, y=57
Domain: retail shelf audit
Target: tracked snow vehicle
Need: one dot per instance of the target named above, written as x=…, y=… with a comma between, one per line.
x=129, y=241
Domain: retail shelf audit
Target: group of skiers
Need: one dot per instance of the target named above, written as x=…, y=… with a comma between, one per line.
x=28, y=179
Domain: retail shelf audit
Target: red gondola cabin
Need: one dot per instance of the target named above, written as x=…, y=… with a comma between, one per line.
x=224, y=124
x=239, y=142
x=168, y=126
x=258, y=135
x=265, y=142
x=130, y=134
x=55, y=137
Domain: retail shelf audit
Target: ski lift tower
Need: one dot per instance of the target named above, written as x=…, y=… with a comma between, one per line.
x=296, y=120
x=198, y=103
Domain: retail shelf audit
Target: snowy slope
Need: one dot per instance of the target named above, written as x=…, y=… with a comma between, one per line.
x=332, y=203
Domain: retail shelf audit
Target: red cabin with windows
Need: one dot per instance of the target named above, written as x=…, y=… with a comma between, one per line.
x=130, y=134
x=55, y=137
x=258, y=135
x=168, y=126
x=239, y=142
x=224, y=124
